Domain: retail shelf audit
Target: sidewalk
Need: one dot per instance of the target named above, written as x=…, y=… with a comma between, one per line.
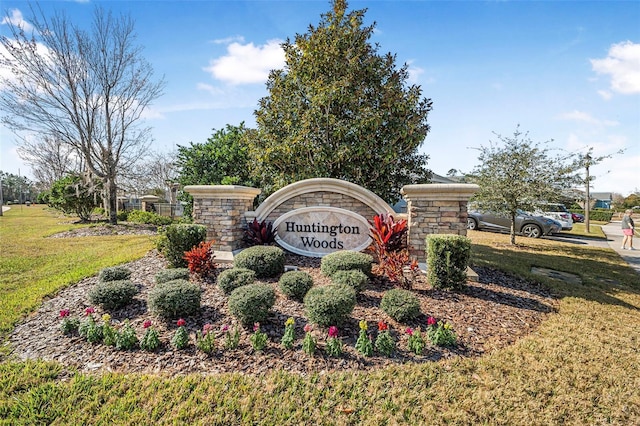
x=614, y=237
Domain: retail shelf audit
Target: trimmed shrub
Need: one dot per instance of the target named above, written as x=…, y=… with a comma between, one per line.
x=114, y=273
x=447, y=260
x=346, y=260
x=251, y=303
x=354, y=278
x=174, y=299
x=330, y=304
x=182, y=237
x=265, y=261
x=150, y=218
x=401, y=305
x=113, y=294
x=230, y=279
x=167, y=275
x=295, y=284
x=122, y=215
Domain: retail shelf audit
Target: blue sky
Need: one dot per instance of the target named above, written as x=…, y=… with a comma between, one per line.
x=563, y=70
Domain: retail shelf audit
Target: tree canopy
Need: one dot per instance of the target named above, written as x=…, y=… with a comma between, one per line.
x=339, y=109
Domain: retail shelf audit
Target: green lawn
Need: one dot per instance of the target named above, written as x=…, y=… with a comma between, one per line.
x=579, y=368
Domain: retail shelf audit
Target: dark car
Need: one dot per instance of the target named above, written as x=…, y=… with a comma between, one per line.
x=526, y=224
x=577, y=217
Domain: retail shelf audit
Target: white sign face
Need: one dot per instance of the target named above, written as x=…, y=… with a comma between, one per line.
x=318, y=231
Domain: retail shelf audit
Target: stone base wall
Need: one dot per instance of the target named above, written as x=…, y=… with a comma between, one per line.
x=323, y=198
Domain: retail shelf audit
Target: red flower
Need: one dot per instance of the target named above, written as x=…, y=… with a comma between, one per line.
x=146, y=324
x=431, y=321
x=89, y=311
x=409, y=331
x=64, y=313
x=181, y=322
x=256, y=326
x=207, y=328
x=225, y=328
x=382, y=326
x=307, y=328
x=333, y=331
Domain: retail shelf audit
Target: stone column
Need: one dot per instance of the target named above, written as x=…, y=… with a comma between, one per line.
x=221, y=208
x=435, y=208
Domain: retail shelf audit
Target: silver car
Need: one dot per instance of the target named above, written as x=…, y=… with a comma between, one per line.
x=526, y=224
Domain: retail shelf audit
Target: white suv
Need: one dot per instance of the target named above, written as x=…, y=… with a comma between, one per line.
x=557, y=212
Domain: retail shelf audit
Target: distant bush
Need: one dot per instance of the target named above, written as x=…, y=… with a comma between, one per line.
x=447, y=260
x=346, y=261
x=295, y=284
x=601, y=215
x=114, y=273
x=330, y=304
x=112, y=294
x=401, y=305
x=172, y=274
x=181, y=238
x=265, y=261
x=122, y=215
x=150, y=218
x=354, y=278
x=230, y=279
x=251, y=303
x=174, y=299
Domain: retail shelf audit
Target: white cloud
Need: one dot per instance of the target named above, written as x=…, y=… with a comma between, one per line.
x=623, y=65
x=228, y=40
x=17, y=20
x=414, y=73
x=585, y=117
x=215, y=91
x=247, y=63
x=605, y=94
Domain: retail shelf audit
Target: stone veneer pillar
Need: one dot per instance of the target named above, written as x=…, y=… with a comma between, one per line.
x=221, y=208
x=435, y=209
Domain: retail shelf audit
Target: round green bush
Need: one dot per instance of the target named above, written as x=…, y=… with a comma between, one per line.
x=401, y=305
x=114, y=273
x=295, y=284
x=251, y=303
x=151, y=218
x=265, y=261
x=346, y=261
x=230, y=279
x=354, y=278
x=167, y=275
x=174, y=299
x=330, y=304
x=112, y=294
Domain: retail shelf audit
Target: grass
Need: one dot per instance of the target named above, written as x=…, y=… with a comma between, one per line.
x=579, y=367
x=595, y=229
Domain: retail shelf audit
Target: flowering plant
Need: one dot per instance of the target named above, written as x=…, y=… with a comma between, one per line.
x=364, y=344
x=258, y=338
x=384, y=342
x=231, y=338
x=109, y=334
x=126, y=339
x=309, y=342
x=416, y=342
x=440, y=333
x=89, y=329
x=289, y=333
x=180, y=340
x=334, y=344
x=205, y=340
x=151, y=340
x=68, y=325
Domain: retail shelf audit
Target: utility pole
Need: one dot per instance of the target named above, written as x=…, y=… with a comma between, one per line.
x=587, y=180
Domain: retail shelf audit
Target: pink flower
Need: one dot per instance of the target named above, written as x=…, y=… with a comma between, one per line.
x=146, y=324
x=431, y=321
x=333, y=331
x=207, y=328
x=256, y=326
x=225, y=328
x=181, y=322
x=307, y=328
x=382, y=326
x=64, y=313
x=89, y=311
x=409, y=331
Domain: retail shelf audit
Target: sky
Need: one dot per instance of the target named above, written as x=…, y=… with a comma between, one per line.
x=566, y=72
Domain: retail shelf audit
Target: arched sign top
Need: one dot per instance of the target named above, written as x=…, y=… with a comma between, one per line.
x=357, y=192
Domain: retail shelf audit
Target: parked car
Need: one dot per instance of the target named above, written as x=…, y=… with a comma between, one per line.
x=526, y=224
x=577, y=217
x=556, y=212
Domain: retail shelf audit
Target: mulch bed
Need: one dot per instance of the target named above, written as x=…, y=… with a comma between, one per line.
x=487, y=315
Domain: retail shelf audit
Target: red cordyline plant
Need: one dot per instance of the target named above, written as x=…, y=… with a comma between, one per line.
x=200, y=259
x=388, y=246
x=259, y=233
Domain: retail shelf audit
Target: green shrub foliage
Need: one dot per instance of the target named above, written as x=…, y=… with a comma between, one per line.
x=230, y=279
x=295, y=284
x=251, y=303
x=346, y=261
x=265, y=261
x=447, y=260
x=114, y=273
x=354, y=278
x=182, y=237
x=167, y=275
x=175, y=299
x=150, y=218
x=330, y=304
x=401, y=305
x=113, y=294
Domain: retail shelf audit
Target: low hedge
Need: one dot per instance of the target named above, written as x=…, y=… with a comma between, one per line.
x=447, y=260
x=354, y=278
x=181, y=237
x=167, y=275
x=114, y=273
x=112, y=294
x=330, y=304
x=265, y=261
x=295, y=284
x=401, y=305
x=346, y=260
x=251, y=303
x=230, y=279
x=175, y=299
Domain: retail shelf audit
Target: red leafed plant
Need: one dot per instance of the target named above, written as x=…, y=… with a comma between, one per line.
x=388, y=246
x=259, y=233
x=200, y=259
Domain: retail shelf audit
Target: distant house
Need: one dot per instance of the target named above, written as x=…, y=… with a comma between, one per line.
x=603, y=200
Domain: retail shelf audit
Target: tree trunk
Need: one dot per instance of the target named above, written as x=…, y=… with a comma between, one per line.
x=513, y=230
x=112, y=195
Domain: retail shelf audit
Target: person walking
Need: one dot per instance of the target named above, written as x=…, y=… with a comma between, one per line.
x=627, y=230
